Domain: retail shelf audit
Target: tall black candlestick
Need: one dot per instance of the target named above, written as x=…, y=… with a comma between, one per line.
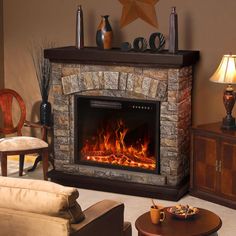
x=173, y=31
x=79, y=28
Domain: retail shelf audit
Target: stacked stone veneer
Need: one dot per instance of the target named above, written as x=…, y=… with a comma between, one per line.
x=170, y=86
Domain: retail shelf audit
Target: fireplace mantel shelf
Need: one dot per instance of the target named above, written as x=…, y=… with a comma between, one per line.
x=92, y=55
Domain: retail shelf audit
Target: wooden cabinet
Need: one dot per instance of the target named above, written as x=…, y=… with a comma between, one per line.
x=213, y=164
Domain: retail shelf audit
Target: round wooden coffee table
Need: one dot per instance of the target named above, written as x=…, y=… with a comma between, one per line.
x=204, y=223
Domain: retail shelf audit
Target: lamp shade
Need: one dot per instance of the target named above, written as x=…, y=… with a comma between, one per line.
x=226, y=72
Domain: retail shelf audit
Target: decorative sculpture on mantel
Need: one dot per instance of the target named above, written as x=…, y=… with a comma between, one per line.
x=104, y=34
x=133, y=9
x=156, y=43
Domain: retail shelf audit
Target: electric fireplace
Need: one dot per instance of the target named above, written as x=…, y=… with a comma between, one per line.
x=121, y=120
x=117, y=133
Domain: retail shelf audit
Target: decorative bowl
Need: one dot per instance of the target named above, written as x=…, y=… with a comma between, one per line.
x=183, y=211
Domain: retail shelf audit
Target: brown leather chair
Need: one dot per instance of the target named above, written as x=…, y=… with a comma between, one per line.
x=18, y=145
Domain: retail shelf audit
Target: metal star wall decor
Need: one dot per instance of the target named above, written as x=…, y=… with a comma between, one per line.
x=143, y=9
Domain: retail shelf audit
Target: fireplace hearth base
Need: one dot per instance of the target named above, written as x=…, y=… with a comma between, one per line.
x=170, y=193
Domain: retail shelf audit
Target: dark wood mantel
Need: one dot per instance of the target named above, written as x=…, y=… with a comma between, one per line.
x=92, y=55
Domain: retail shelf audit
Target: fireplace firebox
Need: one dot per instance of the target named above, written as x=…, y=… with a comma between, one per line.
x=117, y=133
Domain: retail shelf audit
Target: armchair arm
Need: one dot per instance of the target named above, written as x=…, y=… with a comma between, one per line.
x=35, y=125
x=104, y=218
x=44, y=128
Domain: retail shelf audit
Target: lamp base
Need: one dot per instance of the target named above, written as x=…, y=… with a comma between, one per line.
x=228, y=123
x=229, y=100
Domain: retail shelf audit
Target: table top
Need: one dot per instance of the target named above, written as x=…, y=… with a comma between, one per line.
x=203, y=223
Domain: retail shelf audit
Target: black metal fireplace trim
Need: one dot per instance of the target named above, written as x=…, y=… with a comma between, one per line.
x=157, y=144
x=171, y=193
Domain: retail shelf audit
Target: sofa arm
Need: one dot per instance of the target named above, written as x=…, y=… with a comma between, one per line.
x=104, y=218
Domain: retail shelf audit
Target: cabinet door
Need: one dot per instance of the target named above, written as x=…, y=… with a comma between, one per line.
x=205, y=156
x=227, y=185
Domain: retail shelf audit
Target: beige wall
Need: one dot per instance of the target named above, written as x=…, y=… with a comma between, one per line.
x=1, y=47
x=208, y=26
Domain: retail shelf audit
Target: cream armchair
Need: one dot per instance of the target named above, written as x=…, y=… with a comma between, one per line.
x=41, y=208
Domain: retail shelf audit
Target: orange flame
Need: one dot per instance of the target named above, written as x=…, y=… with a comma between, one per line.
x=109, y=147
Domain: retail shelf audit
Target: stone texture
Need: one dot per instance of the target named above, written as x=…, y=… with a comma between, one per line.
x=123, y=80
x=61, y=119
x=161, y=91
x=61, y=132
x=111, y=80
x=88, y=80
x=97, y=77
x=70, y=70
x=56, y=73
x=138, y=84
x=60, y=108
x=172, y=87
x=70, y=84
x=123, y=175
x=57, y=89
x=146, y=85
x=153, y=88
x=130, y=82
x=159, y=74
x=138, y=71
x=81, y=83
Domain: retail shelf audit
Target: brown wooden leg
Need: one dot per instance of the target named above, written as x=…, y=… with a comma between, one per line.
x=45, y=163
x=3, y=158
x=21, y=164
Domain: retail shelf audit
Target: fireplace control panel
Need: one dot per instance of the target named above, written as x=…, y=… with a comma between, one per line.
x=142, y=107
x=119, y=105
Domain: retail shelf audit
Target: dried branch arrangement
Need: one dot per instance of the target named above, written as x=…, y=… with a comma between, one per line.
x=42, y=68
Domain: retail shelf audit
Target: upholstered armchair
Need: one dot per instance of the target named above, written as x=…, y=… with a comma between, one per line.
x=42, y=208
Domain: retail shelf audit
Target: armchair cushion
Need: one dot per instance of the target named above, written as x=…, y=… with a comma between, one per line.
x=21, y=143
x=41, y=197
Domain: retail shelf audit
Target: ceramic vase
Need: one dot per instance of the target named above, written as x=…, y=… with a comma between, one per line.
x=104, y=34
x=45, y=112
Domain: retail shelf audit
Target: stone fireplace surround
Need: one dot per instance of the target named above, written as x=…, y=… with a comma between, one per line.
x=144, y=76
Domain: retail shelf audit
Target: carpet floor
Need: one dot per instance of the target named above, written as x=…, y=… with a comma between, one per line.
x=136, y=206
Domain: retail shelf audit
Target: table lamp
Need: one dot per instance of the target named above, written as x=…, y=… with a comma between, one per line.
x=226, y=74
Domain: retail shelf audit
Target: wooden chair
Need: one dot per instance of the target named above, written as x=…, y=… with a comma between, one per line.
x=19, y=145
